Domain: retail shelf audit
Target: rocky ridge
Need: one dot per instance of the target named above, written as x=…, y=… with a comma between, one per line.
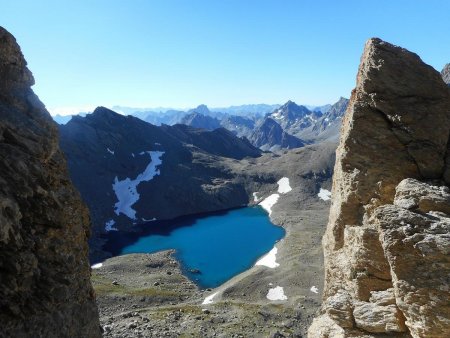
x=387, y=241
x=293, y=117
x=45, y=288
x=332, y=118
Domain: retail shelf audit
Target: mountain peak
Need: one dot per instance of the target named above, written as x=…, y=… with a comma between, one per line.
x=100, y=110
x=201, y=109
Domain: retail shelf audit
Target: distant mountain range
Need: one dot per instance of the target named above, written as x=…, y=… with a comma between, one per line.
x=283, y=127
x=129, y=171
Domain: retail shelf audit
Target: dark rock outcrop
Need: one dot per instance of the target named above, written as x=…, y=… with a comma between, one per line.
x=45, y=288
x=386, y=246
x=270, y=136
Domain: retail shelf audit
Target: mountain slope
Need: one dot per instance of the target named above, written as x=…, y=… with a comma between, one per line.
x=198, y=120
x=270, y=136
x=219, y=142
x=239, y=125
x=129, y=171
x=292, y=117
x=329, y=125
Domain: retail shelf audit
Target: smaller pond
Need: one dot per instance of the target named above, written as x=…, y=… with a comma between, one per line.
x=217, y=246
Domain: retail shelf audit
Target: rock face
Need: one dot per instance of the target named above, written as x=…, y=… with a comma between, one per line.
x=446, y=74
x=45, y=288
x=387, y=242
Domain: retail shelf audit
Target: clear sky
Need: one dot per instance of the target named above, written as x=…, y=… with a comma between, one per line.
x=145, y=53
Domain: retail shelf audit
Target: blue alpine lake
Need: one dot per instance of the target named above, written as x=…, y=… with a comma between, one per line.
x=212, y=248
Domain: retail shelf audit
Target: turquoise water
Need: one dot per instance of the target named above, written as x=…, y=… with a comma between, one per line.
x=219, y=245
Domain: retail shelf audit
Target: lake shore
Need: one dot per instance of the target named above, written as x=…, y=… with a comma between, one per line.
x=152, y=295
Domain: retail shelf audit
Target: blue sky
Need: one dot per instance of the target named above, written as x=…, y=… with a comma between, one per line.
x=145, y=53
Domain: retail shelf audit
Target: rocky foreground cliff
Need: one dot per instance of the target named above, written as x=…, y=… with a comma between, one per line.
x=387, y=242
x=45, y=288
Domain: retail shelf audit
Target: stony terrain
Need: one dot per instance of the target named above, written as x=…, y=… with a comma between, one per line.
x=387, y=241
x=153, y=298
x=45, y=289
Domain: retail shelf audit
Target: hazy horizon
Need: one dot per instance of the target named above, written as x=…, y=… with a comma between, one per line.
x=64, y=111
x=186, y=53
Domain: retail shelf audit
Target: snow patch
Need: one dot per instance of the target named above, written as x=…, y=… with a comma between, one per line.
x=324, y=194
x=270, y=259
x=132, y=154
x=209, y=299
x=276, y=115
x=126, y=191
x=110, y=151
x=97, y=266
x=109, y=225
x=283, y=185
x=269, y=202
x=276, y=293
x=314, y=289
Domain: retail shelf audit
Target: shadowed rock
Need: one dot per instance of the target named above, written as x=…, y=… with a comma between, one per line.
x=45, y=289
